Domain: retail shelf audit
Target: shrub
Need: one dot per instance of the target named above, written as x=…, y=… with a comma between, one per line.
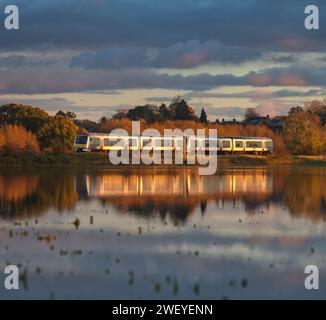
x=16, y=139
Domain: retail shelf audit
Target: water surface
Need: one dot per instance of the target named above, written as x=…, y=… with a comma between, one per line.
x=242, y=233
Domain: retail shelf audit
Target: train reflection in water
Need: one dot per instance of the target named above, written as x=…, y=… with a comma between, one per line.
x=177, y=195
x=185, y=184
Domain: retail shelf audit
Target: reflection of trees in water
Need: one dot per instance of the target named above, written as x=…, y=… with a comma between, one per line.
x=303, y=191
x=178, y=209
x=33, y=194
x=17, y=188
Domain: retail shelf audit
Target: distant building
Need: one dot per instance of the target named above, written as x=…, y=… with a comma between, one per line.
x=275, y=123
x=225, y=122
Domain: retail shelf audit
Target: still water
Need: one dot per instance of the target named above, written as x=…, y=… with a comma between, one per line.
x=242, y=233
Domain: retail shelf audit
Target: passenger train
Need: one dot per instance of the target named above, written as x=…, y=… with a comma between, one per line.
x=103, y=142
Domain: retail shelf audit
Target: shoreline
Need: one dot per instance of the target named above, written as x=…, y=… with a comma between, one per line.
x=91, y=160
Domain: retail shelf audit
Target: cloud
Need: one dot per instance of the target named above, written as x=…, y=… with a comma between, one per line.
x=292, y=93
x=158, y=99
x=284, y=59
x=49, y=104
x=272, y=108
x=194, y=53
x=224, y=112
x=189, y=54
x=56, y=80
x=20, y=61
x=98, y=24
x=60, y=81
x=113, y=58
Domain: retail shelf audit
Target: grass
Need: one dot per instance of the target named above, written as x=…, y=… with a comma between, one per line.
x=98, y=159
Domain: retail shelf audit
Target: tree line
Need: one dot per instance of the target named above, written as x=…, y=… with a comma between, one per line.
x=30, y=129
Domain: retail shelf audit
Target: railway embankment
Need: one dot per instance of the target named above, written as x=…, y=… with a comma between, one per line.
x=102, y=160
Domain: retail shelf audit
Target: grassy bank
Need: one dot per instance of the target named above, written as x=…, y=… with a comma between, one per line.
x=96, y=159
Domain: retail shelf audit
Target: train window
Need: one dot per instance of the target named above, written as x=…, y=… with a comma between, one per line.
x=238, y=144
x=254, y=144
x=81, y=139
x=269, y=144
x=95, y=142
x=226, y=144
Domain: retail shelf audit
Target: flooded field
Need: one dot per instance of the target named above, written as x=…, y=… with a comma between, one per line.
x=243, y=233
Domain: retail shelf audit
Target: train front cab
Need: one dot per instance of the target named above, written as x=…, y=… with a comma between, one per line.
x=81, y=143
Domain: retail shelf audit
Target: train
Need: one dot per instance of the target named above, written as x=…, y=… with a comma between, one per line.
x=103, y=142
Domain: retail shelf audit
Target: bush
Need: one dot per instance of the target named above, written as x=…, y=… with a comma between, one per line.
x=16, y=139
x=303, y=133
x=58, y=134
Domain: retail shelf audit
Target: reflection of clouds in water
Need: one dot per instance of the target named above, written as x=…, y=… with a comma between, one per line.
x=220, y=241
x=220, y=258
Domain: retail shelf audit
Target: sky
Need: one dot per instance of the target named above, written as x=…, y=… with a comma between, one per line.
x=96, y=57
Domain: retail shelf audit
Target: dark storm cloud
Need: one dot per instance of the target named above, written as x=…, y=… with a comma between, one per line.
x=113, y=58
x=193, y=53
x=20, y=61
x=94, y=24
x=49, y=80
x=284, y=59
x=76, y=80
x=181, y=55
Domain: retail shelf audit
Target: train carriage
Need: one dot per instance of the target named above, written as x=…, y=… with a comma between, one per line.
x=95, y=142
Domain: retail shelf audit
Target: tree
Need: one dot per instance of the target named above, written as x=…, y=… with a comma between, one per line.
x=316, y=106
x=147, y=112
x=303, y=133
x=69, y=114
x=58, y=134
x=120, y=114
x=295, y=110
x=86, y=125
x=103, y=120
x=164, y=112
x=251, y=113
x=203, y=116
x=15, y=138
x=53, y=132
x=180, y=110
x=29, y=117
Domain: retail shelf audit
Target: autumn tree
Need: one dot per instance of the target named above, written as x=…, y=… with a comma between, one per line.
x=58, y=134
x=15, y=138
x=316, y=106
x=69, y=114
x=29, y=117
x=302, y=132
